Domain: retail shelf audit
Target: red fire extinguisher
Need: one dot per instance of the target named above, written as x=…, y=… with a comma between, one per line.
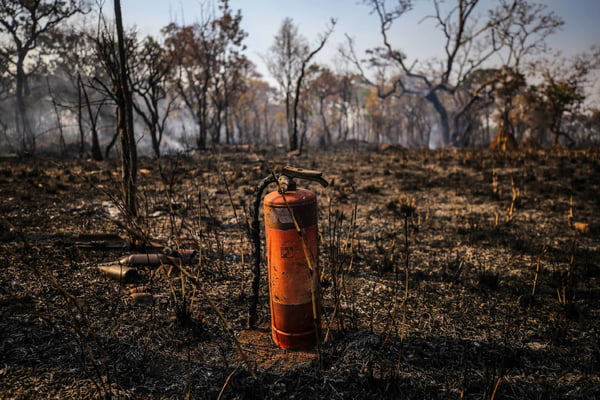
x=291, y=232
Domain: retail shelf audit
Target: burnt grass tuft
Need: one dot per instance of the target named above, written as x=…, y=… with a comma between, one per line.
x=503, y=288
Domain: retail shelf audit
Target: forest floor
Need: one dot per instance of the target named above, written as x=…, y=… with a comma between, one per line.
x=501, y=251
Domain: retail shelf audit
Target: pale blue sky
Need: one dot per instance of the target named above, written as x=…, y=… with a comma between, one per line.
x=262, y=18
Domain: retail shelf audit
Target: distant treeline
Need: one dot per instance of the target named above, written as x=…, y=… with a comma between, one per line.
x=194, y=85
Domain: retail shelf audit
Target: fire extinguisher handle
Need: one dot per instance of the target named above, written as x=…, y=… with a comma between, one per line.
x=301, y=173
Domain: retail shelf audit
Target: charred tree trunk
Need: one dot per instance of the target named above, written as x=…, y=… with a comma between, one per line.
x=326, y=130
x=435, y=101
x=201, y=139
x=21, y=118
x=155, y=133
x=266, y=120
x=125, y=123
x=80, y=116
x=110, y=145
x=96, y=151
x=59, y=125
x=291, y=124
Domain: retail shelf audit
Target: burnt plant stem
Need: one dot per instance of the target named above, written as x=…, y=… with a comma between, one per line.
x=406, y=265
x=337, y=259
x=493, y=396
x=227, y=383
x=243, y=231
x=537, y=272
x=215, y=233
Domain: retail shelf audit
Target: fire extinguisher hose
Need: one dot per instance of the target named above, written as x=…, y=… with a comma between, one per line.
x=255, y=239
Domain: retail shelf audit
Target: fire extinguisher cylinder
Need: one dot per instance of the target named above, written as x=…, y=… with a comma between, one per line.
x=293, y=266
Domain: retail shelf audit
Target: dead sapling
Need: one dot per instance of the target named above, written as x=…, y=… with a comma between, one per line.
x=514, y=200
x=242, y=229
x=405, y=208
x=565, y=291
x=529, y=299
x=496, y=188
x=339, y=246
x=172, y=179
x=218, y=243
x=497, y=193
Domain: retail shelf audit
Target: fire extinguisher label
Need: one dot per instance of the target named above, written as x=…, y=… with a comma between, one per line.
x=280, y=215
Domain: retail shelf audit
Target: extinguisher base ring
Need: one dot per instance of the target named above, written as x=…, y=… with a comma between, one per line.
x=293, y=341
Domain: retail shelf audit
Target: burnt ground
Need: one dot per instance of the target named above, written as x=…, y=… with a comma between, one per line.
x=503, y=296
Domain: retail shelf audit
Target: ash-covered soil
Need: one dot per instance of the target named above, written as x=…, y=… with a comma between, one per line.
x=501, y=254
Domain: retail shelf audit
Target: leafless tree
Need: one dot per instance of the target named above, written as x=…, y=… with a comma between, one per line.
x=471, y=41
x=114, y=53
x=253, y=108
x=125, y=121
x=324, y=86
x=288, y=60
x=284, y=63
x=550, y=104
x=230, y=66
x=22, y=26
x=150, y=84
x=76, y=67
x=207, y=60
